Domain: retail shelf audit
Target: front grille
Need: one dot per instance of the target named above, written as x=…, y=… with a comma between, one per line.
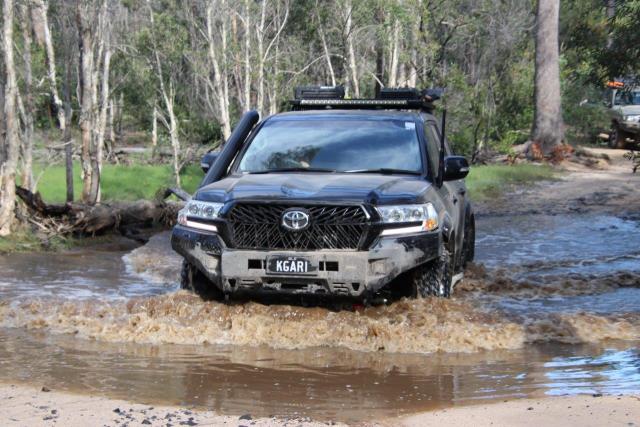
x=258, y=226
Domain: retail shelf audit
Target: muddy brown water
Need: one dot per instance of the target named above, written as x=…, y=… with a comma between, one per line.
x=553, y=308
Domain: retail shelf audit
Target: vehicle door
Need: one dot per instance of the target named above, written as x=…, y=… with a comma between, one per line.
x=454, y=192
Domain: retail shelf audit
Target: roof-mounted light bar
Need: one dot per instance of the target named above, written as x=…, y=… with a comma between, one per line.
x=330, y=97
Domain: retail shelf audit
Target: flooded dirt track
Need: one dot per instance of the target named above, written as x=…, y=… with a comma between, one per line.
x=551, y=307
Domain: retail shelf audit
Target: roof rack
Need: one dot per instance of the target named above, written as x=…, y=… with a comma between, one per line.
x=332, y=97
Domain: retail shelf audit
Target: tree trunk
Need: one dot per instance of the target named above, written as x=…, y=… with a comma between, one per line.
x=547, y=128
x=27, y=138
x=168, y=97
x=220, y=85
x=101, y=124
x=353, y=68
x=325, y=47
x=413, y=71
x=379, y=47
x=173, y=136
x=611, y=13
x=110, y=133
x=61, y=112
x=154, y=132
x=66, y=134
x=86, y=86
x=247, y=56
x=395, y=53
x=261, y=59
x=9, y=152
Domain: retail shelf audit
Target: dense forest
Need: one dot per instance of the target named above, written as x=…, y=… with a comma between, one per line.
x=81, y=78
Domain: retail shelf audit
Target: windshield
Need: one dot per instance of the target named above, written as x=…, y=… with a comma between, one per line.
x=628, y=97
x=334, y=145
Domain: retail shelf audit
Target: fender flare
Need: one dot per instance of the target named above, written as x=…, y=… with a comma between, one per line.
x=447, y=229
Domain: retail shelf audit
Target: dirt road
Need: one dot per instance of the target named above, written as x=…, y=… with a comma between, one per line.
x=608, y=186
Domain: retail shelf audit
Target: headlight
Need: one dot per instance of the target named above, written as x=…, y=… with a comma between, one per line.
x=632, y=118
x=196, y=209
x=403, y=214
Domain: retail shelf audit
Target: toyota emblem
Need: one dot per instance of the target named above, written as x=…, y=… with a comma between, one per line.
x=295, y=219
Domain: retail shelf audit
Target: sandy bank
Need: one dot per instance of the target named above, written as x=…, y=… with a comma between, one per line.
x=583, y=411
x=30, y=406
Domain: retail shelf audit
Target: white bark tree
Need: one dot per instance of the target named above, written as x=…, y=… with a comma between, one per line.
x=325, y=45
x=93, y=22
x=349, y=36
x=219, y=63
x=27, y=104
x=11, y=143
x=41, y=12
x=247, y=56
x=278, y=23
x=168, y=95
x=394, y=43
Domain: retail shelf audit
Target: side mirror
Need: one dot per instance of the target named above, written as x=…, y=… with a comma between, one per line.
x=208, y=160
x=455, y=167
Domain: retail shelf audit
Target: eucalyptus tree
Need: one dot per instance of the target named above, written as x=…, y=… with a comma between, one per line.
x=547, y=131
x=9, y=150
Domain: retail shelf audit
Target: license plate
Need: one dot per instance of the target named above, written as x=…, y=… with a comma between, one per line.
x=290, y=265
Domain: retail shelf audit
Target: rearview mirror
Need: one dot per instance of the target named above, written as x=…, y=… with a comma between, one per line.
x=208, y=160
x=455, y=167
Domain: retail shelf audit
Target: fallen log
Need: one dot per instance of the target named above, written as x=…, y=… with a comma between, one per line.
x=80, y=219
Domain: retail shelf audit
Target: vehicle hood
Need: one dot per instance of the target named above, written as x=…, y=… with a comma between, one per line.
x=317, y=187
x=630, y=109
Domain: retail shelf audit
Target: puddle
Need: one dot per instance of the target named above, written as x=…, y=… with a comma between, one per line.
x=105, y=274
x=559, y=243
x=322, y=383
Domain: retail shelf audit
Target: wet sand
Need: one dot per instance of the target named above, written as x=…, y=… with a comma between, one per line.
x=30, y=406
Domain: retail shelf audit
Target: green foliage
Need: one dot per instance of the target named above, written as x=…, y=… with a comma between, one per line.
x=585, y=117
x=623, y=57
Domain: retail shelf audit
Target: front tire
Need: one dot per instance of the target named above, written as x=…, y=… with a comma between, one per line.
x=617, y=137
x=192, y=279
x=434, y=279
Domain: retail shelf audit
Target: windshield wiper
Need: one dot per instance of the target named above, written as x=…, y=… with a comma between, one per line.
x=296, y=169
x=385, y=171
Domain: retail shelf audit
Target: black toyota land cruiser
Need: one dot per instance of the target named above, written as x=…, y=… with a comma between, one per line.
x=339, y=197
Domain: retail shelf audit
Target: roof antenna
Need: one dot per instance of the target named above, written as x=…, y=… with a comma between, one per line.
x=440, y=179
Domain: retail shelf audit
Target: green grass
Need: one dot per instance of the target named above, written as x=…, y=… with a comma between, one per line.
x=20, y=241
x=485, y=182
x=119, y=182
